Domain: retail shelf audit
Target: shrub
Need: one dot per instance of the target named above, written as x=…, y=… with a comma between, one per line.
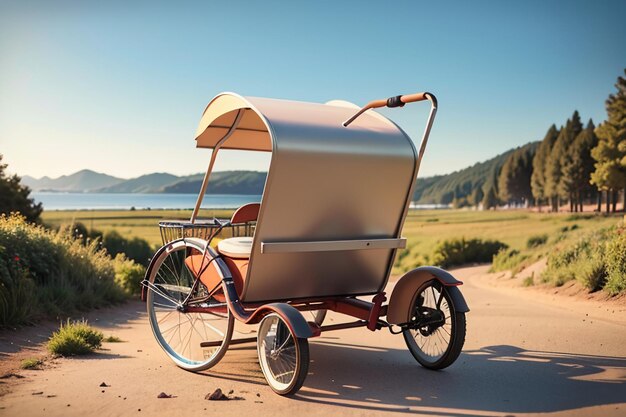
x=17, y=290
x=529, y=281
x=112, y=339
x=536, y=240
x=128, y=274
x=597, y=261
x=31, y=363
x=507, y=259
x=615, y=261
x=47, y=273
x=75, y=338
x=462, y=251
x=136, y=249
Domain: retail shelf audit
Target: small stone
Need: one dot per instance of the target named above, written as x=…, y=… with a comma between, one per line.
x=216, y=395
x=231, y=391
x=38, y=393
x=102, y=390
x=258, y=395
x=164, y=395
x=104, y=384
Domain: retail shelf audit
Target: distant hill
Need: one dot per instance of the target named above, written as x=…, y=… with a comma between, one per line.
x=225, y=182
x=81, y=181
x=150, y=183
x=442, y=189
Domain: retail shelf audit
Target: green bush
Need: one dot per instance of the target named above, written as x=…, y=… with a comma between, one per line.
x=462, y=251
x=128, y=274
x=615, y=261
x=529, y=281
x=536, y=240
x=507, y=259
x=46, y=273
x=597, y=261
x=31, y=363
x=17, y=289
x=136, y=249
x=75, y=338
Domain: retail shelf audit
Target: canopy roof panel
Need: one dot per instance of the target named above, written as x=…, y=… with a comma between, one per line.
x=326, y=184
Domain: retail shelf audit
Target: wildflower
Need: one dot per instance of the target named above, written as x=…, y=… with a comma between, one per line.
x=16, y=258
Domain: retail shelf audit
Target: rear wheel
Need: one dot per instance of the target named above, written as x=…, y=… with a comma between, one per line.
x=437, y=333
x=283, y=357
x=194, y=341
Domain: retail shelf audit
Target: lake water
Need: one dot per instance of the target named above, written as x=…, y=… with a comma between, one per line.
x=120, y=201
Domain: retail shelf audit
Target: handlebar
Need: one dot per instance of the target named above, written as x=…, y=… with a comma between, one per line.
x=396, y=101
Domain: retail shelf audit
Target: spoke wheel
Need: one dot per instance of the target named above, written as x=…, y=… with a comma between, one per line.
x=180, y=333
x=436, y=343
x=284, y=358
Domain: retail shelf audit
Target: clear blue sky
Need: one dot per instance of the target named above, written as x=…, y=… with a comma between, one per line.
x=120, y=88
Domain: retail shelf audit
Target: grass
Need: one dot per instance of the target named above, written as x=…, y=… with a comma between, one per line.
x=529, y=281
x=75, y=338
x=47, y=273
x=512, y=227
x=129, y=224
x=31, y=363
x=528, y=235
x=112, y=339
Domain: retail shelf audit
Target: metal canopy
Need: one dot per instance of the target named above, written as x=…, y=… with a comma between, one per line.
x=335, y=197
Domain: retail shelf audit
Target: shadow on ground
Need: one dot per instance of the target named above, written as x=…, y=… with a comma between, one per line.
x=491, y=379
x=494, y=378
x=108, y=319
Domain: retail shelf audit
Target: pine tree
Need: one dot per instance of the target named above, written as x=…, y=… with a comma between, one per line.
x=580, y=166
x=538, y=177
x=14, y=196
x=490, y=200
x=476, y=197
x=610, y=153
x=514, y=181
x=555, y=188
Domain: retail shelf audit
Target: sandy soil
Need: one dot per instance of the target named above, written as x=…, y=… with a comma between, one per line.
x=528, y=352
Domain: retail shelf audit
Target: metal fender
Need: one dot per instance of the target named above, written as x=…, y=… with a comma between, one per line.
x=407, y=285
x=292, y=317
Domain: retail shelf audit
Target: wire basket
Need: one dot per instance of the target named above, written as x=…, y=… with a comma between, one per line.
x=203, y=229
x=177, y=229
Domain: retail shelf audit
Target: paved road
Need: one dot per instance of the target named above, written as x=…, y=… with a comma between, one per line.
x=522, y=356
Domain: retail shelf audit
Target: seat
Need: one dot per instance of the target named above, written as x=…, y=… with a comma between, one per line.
x=235, y=247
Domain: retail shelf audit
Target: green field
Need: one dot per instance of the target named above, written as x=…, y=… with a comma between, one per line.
x=423, y=228
x=140, y=223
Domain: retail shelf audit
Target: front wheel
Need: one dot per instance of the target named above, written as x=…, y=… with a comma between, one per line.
x=436, y=331
x=284, y=358
x=195, y=341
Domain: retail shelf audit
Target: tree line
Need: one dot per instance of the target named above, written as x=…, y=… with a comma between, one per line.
x=572, y=165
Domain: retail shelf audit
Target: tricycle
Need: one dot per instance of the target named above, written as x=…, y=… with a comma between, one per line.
x=323, y=237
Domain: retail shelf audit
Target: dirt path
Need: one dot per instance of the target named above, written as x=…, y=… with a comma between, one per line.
x=524, y=354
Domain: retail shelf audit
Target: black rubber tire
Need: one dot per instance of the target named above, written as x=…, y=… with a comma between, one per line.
x=302, y=359
x=457, y=334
